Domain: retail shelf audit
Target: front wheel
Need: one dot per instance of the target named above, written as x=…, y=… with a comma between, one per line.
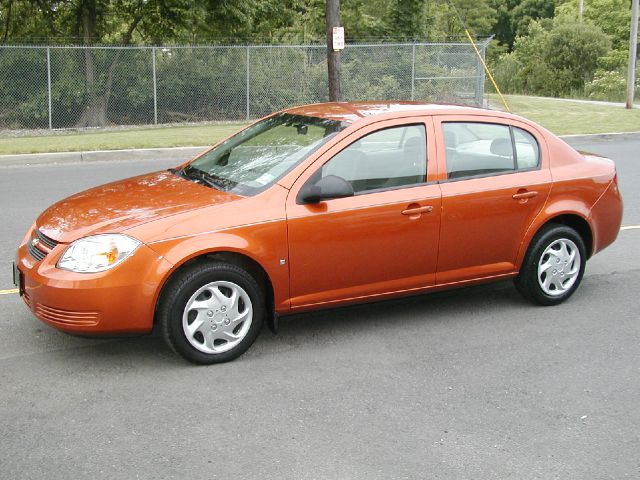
x=553, y=266
x=211, y=313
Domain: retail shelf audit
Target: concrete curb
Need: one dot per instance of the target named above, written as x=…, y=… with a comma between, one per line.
x=178, y=154
x=602, y=136
x=181, y=154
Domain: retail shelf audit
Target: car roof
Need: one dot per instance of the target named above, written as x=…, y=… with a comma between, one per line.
x=352, y=112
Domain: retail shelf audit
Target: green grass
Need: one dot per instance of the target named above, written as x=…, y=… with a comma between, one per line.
x=119, y=139
x=567, y=117
x=562, y=117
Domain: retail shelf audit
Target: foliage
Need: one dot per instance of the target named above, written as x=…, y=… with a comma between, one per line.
x=406, y=19
x=525, y=69
x=453, y=15
x=541, y=47
x=514, y=16
x=607, y=85
x=572, y=52
x=364, y=20
x=553, y=60
x=506, y=74
x=612, y=16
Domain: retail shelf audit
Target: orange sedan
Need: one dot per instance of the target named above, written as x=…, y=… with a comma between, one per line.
x=319, y=206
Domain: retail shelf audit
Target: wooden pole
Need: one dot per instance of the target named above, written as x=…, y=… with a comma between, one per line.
x=633, y=45
x=333, y=58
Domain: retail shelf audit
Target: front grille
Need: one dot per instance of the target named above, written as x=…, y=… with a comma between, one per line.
x=49, y=242
x=40, y=245
x=35, y=252
x=67, y=317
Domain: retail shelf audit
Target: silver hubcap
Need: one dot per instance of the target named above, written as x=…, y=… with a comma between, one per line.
x=559, y=267
x=217, y=317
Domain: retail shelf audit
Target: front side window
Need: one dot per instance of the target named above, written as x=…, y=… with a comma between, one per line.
x=259, y=155
x=387, y=158
x=478, y=149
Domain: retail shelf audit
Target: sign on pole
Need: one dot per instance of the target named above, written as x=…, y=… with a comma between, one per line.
x=335, y=39
x=338, y=38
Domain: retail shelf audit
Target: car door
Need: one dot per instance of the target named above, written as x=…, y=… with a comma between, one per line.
x=382, y=239
x=496, y=180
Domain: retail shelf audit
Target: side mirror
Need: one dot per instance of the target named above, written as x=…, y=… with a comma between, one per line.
x=326, y=188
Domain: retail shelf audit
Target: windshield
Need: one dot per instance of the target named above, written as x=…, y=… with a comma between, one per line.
x=256, y=157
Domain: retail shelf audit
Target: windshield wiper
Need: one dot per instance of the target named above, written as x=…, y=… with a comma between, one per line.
x=200, y=176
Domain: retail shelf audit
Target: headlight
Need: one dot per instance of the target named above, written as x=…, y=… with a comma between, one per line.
x=97, y=253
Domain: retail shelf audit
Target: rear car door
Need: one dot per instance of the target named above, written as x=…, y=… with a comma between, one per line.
x=384, y=238
x=497, y=180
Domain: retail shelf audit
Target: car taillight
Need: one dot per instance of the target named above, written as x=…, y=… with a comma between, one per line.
x=614, y=184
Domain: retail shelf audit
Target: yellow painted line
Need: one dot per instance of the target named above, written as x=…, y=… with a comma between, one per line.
x=8, y=292
x=630, y=227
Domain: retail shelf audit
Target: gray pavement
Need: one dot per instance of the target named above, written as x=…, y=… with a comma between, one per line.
x=470, y=384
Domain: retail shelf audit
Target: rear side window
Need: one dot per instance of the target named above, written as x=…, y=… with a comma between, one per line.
x=388, y=158
x=527, y=150
x=479, y=149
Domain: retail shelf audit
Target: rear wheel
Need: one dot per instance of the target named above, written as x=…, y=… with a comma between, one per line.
x=211, y=313
x=553, y=266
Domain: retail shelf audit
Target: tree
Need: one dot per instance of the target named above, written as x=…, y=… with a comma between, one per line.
x=612, y=16
x=152, y=19
x=513, y=17
x=364, y=20
x=406, y=19
x=477, y=15
x=30, y=22
x=572, y=52
x=553, y=59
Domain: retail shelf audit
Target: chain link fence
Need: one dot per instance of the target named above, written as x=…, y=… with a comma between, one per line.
x=75, y=87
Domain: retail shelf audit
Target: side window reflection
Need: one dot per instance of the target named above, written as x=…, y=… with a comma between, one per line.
x=478, y=149
x=387, y=158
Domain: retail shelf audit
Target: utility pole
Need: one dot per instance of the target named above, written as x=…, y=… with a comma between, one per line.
x=633, y=46
x=580, y=10
x=333, y=57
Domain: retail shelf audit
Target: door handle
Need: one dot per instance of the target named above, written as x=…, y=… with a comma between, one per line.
x=417, y=210
x=524, y=195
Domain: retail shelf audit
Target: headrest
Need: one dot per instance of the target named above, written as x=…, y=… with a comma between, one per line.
x=502, y=147
x=414, y=143
x=450, y=139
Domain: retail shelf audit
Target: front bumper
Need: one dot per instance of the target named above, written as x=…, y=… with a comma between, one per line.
x=117, y=301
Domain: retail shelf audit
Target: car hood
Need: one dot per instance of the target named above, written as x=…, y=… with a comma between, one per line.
x=117, y=206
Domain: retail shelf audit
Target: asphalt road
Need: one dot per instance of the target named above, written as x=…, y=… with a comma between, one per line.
x=472, y=384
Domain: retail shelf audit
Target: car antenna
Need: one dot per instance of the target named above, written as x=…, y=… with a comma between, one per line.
x=484, y=64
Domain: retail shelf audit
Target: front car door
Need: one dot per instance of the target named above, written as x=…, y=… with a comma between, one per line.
x=384, y=239
x=497, y=180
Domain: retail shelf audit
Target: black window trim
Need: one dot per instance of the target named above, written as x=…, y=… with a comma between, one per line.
x=513, y=146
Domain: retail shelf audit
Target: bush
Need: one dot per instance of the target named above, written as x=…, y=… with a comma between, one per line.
x=555, y=60
x=572, y=52
x=506, y=75
x=606, y=86
x=609, y=85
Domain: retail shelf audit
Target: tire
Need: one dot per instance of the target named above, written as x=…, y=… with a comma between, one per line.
x=211, y=312
x=553, y=266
